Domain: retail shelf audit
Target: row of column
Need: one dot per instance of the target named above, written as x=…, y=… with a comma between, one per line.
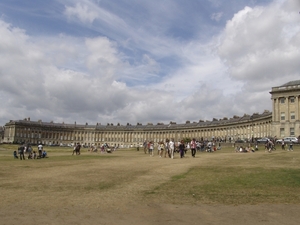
x=287, y=109
x=91, y=137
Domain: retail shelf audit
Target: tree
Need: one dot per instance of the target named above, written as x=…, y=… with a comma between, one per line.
x=187, y=140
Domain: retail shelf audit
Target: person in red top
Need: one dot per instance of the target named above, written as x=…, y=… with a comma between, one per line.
x=193, y=147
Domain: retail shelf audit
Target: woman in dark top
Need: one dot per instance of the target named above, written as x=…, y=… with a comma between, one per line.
x=181, y=149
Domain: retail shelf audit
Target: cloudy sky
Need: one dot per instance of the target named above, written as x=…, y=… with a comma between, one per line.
x=129, y=61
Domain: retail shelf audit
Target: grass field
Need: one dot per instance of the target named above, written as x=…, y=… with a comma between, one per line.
x=130, y=177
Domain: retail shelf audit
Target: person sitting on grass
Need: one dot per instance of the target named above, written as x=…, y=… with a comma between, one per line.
x=44, y=154
x=30, y=155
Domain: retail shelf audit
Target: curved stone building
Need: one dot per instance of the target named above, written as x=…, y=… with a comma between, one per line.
x=284, y=121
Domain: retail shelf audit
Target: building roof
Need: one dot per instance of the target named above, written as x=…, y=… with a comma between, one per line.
x=291, y=83
x=149, y=126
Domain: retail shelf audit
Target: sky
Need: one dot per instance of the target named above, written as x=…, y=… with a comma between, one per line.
x=136, y=61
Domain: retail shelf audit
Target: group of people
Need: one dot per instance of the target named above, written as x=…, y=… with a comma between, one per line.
x=105, y=148
x=31, y=154
x=168, y=148
x=241, y=149
x=284, y=145
x=269, y=146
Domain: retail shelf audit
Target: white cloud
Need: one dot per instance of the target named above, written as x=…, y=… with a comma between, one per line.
x=83, y=11
x=261, y=43
x=142, y=74
x=216, y=16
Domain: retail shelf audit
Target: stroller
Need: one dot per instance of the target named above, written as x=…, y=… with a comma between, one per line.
x=209, y=148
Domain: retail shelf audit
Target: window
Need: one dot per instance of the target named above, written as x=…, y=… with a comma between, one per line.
x=282, y=100
x=281, y=132
x=292, y=131
x=282, y=116
x=292, y=99
x=292, y=115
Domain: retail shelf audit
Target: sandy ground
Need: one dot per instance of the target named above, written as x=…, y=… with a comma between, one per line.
x=49, y=197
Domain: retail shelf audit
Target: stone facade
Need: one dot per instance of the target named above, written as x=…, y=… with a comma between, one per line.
x=245, y=127
x=284, y=121
x=286, y=114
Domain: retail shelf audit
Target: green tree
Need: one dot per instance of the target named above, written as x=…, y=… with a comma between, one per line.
x=187, y=140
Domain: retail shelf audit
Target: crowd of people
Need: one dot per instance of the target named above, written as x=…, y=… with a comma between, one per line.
x=269, y=146
x=166, y=149
x=26, y=151
x=169, y=147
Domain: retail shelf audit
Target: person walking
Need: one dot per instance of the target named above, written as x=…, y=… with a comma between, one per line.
x=21, y=152
x=29, y=150
x=145, y=146
x=161, y=148
x=181, y=149
x=158, y=149
x=193, y=147
x=171, y=148
x=167, y=148
x=282, y=145
x=291, y=146
x=151, y=148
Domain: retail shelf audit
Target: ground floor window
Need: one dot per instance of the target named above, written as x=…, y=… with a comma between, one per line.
x=281, y=132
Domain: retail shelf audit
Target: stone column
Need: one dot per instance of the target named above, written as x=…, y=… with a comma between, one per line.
x=277, y=118
x=297, y=113
x=288, y=116
x=274, y=110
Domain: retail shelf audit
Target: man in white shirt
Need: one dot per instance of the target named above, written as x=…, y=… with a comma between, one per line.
x=40, y=149
x=171, y=147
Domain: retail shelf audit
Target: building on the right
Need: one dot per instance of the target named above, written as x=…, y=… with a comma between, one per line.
x=286, y=114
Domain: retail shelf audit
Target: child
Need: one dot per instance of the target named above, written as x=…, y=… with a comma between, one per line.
x=44, y=154
x=15, y=155
x=30, y=155
x=34, y=155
